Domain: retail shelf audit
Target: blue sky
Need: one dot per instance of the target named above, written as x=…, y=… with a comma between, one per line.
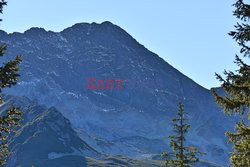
x=190, y=35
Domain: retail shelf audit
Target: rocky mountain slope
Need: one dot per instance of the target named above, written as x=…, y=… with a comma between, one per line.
x=47, y=139
x=44, y=137
x=133, y=121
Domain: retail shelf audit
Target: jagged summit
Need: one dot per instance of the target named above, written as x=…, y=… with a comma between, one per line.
x=103, y=33
x=93, y=25
x=35, y=30
x=84, y=24
x=77, y=26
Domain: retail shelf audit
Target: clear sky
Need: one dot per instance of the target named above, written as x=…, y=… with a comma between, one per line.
x=190, y=35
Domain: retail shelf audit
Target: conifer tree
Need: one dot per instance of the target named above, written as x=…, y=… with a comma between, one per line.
x=181, y=155
x=237, y=86
x=9, y=120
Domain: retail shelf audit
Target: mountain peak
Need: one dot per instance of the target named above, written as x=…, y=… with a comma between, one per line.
x=3, y=33
x=92, y=26
x=35, y=30
x=54, y=71
x=107, y=23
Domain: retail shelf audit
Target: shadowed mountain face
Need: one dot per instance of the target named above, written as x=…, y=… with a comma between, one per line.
x=45, y=138
x=133, y=121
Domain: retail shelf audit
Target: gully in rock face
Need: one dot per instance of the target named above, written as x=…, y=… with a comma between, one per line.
x=110, y=83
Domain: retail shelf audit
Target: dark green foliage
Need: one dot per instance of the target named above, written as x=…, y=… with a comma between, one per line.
x=182, y=156
x=8, y=123
x=2, y=3
x=10, y=119
x=242, y=33
x=237, y=86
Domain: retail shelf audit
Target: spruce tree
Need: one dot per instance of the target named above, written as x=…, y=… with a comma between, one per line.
x=9, y=120
x=237, y=87
x=181, y=155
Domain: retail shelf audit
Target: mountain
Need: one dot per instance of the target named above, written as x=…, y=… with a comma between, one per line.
x=45, y=134
x=134, y=121
x=46, y=138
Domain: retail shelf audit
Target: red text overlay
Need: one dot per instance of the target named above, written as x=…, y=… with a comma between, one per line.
x=93, y=83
